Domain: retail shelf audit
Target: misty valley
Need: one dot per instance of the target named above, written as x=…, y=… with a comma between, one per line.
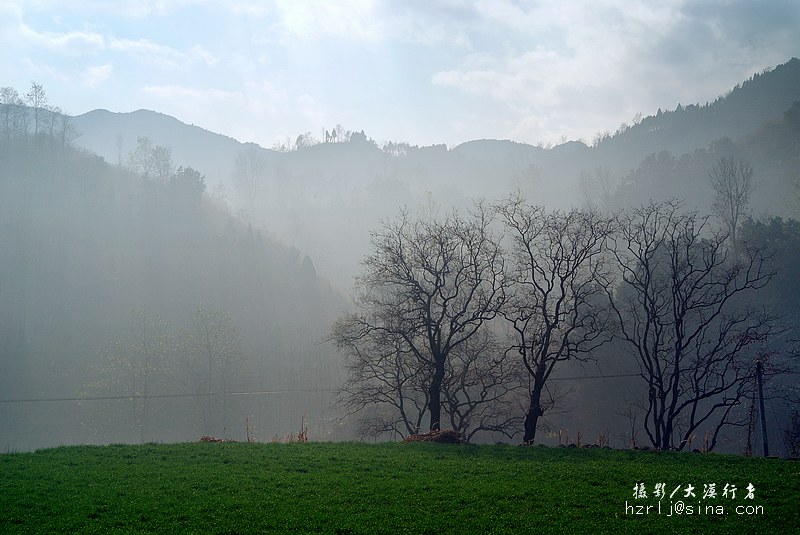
x=162, y=283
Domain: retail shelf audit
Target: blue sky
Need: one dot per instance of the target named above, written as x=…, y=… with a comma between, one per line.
x=423, y=72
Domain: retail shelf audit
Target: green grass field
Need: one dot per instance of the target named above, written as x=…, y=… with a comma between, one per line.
x=385, y=488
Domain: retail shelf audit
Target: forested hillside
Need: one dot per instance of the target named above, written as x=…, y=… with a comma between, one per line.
x=107, y=276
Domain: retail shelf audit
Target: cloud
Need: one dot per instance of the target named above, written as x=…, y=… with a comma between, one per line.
x=581, y=67
x=90, y=77
x=38, y=69
x=81, y=43
x=76, y=42
x=129, y=9
x=530, y=71
x=307, y=19
x=161, y=56
x=176, y=92
x=200, y=53
x=311, y=110
x=95, y=75
x=14, y=31
x=432, y=22
x=259, y=98
x=10, y=21
x=252, y=9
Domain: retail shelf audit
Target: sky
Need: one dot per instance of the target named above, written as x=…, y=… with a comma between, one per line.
x=415, y=71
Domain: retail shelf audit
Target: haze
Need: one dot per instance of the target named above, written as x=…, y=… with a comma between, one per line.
x=200, y=204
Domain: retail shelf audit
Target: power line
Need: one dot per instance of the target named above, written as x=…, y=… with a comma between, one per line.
x=252, y=392
x=161, y=396
x=579, y=377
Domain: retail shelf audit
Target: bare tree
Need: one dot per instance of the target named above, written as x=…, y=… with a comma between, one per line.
x=10, y=100
x=557, y=310
x=36, y=99
x=596, y=189
x=384, y=379
x=250, y=175
x=51, y=119
x=154, y=162
x=67, y=132
x=213, y=358
x=138, y=365
x=482, y=388
x=118, y=142
x=731, y=177
x=389, y=386
x=426, y=288
x=15, y=115
x=682, y=314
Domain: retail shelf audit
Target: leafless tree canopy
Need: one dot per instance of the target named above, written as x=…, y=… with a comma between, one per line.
x=154, y=162
x=682, y=314
x=596, y=189
x=557, y=304
x=427, y=288
x=213, y=361
x=425, y=342
x=250, y=175
x=731, y=177
x=138, y=365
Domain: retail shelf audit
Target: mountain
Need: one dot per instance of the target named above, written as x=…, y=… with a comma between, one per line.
x=114, y=135
x=762, y=98
x=324, y=199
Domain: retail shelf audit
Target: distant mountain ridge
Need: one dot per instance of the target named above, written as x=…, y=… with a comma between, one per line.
x=762, y=98
x=324, y=199
x=113, y=135
x=746, y=107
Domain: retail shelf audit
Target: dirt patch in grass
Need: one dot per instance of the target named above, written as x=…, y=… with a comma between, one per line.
x=447, y=436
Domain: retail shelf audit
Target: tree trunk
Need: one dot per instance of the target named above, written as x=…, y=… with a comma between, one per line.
x=435, y=397
x=532, y=418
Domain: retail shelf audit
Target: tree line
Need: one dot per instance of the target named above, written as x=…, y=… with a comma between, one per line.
x=204, y=360
x=31, y=116
x=462, y=320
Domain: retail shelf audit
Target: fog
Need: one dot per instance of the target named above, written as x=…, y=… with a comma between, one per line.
x=161, y=282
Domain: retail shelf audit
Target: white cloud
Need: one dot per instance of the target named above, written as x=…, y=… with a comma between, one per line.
x=15, y=32
x=176, y=92
x=38, y=69
x=199, y=52
x=69, y=42
x=162, y=56
x=90, y=77
x=307, y=19
x=581, y=67
x=258, y=99
x=311, y=110
x=95, y=75
x=252, y=9
x=371, y=21
x=10, y=21
x=129, y=9
x=149, y=52
x=263, y=97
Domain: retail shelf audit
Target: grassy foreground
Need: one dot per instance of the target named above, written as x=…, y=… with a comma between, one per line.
x=385, y=488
